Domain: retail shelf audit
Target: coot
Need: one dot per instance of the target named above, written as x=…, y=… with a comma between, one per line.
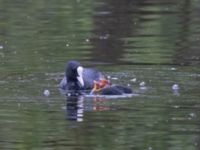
x=79, y=78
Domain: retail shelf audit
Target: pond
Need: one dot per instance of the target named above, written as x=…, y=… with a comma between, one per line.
x=151, y=46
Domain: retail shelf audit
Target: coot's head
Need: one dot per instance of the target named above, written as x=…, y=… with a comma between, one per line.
x=74, y=72
x=99, y=86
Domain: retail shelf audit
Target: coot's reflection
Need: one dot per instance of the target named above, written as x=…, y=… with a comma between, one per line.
x=75, y=108
x=77, y=105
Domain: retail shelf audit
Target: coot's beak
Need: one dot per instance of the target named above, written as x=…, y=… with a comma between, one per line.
x=80, y=75
x=96, y=88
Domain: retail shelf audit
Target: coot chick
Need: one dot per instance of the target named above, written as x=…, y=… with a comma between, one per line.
x=78, y=78
x=104, y=87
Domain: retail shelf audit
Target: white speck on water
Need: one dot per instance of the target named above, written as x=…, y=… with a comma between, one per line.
x=173, y=69
x=68, y=94
x=176, y=106
x=192, y=115
x=142, y=83
x=67, y=45
x=133, y=80
x=150, y=148
x=128, y=85
x=175, y=87
x=108, y=77
x=114, y=78
x=46, y=93
x=1, y=46
x=87, y=40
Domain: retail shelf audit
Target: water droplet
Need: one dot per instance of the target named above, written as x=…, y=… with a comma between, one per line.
x=173, y=68
x=175, y=87
x=108, y=77
x=192, y=115
x=87, y=40
x=67, y=45
x=114, y=78
x=46, y=93
x=142, y=83
x=133, y=80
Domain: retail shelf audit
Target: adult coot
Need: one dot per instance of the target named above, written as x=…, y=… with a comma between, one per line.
x=78, y=78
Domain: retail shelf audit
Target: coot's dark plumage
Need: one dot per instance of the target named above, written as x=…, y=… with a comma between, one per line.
x=79, y=78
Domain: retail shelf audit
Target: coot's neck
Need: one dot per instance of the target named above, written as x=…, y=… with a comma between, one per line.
x=71, y=79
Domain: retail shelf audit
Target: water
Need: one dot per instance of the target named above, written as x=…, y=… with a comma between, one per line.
x=151, y=46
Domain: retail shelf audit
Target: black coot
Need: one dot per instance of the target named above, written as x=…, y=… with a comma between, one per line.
x=79, y=78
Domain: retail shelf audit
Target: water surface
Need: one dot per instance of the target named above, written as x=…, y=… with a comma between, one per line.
x=147, y=45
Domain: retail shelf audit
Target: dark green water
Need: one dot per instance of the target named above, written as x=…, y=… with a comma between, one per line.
x=132, y=41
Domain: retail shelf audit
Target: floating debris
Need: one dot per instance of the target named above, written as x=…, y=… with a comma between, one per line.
x=175, y=87
x=133, y=80
x=192, y=115
x=67, y=45
x=46, y=93
x=108, y=77
x=142, y=83
x=173, y=69
x=114, y=78
x=87, y=40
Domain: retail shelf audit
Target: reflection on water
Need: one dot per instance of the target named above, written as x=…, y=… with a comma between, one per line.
x=151, y=46
x=154, y=118
x=76, y=106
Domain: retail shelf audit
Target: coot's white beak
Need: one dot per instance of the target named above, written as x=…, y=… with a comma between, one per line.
x=80, y=75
